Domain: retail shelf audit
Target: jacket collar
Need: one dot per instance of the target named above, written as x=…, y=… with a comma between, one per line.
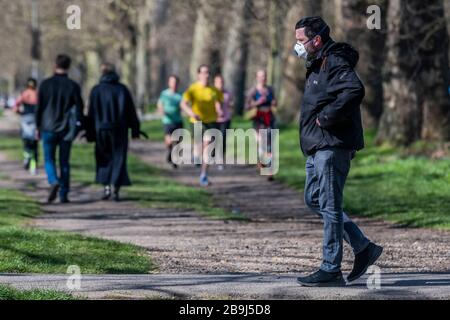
x=320, y=54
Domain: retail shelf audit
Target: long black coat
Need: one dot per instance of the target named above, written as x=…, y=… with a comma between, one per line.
x=333, y=95
x=111, y=114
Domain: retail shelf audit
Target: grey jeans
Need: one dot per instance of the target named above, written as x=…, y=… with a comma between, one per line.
x=326, y=174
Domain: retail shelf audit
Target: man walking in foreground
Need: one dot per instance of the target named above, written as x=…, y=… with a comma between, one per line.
x=58, y=118
x=112, y=114
x=331, y=134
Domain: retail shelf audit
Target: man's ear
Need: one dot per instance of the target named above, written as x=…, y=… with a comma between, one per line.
x=317, y=41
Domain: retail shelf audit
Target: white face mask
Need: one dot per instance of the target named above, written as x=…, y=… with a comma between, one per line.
x=300, y=51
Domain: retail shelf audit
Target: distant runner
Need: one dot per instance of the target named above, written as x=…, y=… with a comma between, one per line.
x=26, y=106
x=224, y=121
x=169, y=104
x=261, y=99
x=203, y=104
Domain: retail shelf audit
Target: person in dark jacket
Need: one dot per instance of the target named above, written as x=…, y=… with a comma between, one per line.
x=58, y=118
x=111, y=114
x=331, y=133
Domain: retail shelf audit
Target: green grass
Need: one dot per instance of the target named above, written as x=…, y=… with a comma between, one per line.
x=8, y=293
x=15, y=207
x=29, y=250
x=151, y=188
x=384, y=182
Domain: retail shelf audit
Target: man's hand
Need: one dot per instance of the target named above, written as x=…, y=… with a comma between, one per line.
x=38, y=135
x=188, y=110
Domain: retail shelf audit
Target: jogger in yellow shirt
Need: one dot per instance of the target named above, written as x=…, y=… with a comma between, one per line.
x=203, y=103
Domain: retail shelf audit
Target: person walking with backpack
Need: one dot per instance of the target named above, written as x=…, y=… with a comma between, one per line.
x=59, y=117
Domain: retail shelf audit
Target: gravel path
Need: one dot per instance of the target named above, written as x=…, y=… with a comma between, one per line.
x=283, y=237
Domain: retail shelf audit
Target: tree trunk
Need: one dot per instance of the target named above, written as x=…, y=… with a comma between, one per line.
x=158, y=17
x=274, y=68
x=433, y=81
x=236, y=54
x=402, y=117
x=447, y=15
x=354, y=30
x=416, y=94
x=35, y=39
x=142, y=56
x=125, y=18
x=93, y=61
x=293, y=81
x=204, y=49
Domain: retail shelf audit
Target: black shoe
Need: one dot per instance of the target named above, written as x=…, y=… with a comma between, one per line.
x=53, y=193
x=26, y=164
x=322, y=279
x=364, y=260
x=116, y=196
x=107, y=193
x=65, y=200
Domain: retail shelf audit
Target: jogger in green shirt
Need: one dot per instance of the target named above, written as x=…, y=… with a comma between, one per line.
x=169, y=104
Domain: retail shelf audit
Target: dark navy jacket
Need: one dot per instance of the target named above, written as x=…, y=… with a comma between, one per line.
x=57, y=96
x=333, y=95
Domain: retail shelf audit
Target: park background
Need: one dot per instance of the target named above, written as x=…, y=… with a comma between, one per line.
x=402, y=176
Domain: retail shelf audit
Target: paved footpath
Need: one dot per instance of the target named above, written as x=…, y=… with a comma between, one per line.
x=203, y=258
x=235, y=286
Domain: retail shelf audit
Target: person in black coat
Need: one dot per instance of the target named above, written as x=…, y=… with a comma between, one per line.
x=111, y=115
x=331, y=133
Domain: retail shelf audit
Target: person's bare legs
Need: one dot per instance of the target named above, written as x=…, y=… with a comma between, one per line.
x=169, y=145
x=205, y=159
x=168, y=142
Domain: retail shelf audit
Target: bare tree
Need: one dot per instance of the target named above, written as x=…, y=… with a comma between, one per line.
x=416, y=97
x=354, y=30
x=157, y=52
x=433, y=73
x=142, y=53
x=205, y=45
x=277, y=12
x=236, y=53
